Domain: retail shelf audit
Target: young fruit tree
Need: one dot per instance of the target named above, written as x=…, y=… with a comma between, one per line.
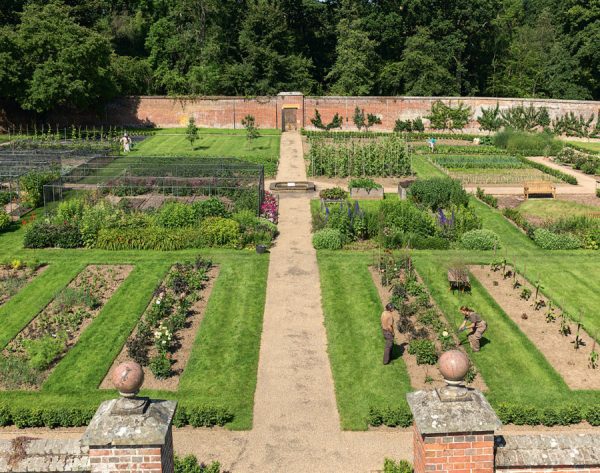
x=249, y=123
x=191, y=132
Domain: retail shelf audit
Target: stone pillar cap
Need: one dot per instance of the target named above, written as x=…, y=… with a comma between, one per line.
x=434, y=416
x=148, y=428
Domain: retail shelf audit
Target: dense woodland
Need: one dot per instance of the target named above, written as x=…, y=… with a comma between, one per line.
x=81, y=53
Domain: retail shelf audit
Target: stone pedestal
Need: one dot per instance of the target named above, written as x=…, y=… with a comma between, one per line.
x=453, y=436
x=131, y=435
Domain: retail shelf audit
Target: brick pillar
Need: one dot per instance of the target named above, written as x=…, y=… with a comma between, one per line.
x=131, y=435
x=453, y=435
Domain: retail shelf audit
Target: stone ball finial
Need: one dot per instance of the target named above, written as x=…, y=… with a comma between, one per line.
x=454, y=365
x=128, y=378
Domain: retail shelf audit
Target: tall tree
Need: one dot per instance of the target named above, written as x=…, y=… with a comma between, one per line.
x=354, y=70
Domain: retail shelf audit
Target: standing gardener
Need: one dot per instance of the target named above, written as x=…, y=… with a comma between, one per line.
x=387, y=327
x=475, y=324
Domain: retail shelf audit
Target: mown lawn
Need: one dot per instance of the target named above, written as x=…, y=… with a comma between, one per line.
x=222, y=368
x=214, y=143
x=592, y=146
x=552, y=209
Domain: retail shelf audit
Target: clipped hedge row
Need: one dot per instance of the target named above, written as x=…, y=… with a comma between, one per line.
x=509, y=413
x=372, y=134
x=551, y=171
x=51, y=417
x=202, y=415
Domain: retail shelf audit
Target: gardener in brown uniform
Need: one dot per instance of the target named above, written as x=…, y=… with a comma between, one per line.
x=387, y=327
x=476, y=324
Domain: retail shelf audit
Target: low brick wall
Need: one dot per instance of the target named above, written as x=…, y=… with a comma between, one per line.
x=546, y=453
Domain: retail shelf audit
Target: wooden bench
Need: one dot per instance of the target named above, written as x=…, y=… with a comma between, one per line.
x=539, y=188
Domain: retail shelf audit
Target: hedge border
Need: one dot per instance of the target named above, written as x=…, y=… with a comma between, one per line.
x=548, y=170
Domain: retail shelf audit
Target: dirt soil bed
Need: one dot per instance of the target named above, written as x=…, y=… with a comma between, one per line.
x=13, y=280
x=418, y=373
x=186, y=338
x=99, y=282
x=559, y=350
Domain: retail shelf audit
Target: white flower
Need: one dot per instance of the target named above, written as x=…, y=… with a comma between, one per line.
x=164, y=341
x=444, y=333
x=157, y=334
x=158, y=301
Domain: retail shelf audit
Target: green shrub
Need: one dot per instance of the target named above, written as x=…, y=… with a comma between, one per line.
x=424, y=351
x=189, y=464
x=160, y=366
x=7, y=197
x=328, y=239
x=487, y=198
x=529, y=144
x=438, y=193
x=480, y=240
x=42, y=234
x=32, y=186
x=560, y=414
x=70, y=210
x=246, y=218
x=220, y=231
x=555, y=241
x=335, y=193
x=4, y=220
x=550, y=171
x=401, y=216
x=213, y=207
x=41, y=352
x=177, y=215
x=391, y=466
x=399, y=416
x=95, y=218
x=363, y=183
x=446, y=117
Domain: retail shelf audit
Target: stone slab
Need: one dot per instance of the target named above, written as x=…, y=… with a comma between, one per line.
x=25, y=454
x=147, y=429
x=546, y=450
x=433, y=416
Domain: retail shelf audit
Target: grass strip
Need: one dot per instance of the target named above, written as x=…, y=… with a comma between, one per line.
x=352, y=309
x=223, y=365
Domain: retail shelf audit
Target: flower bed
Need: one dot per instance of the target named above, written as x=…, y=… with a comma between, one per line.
x=15, y=275
x=422, y=331
x=31, y=355
x=163, y=340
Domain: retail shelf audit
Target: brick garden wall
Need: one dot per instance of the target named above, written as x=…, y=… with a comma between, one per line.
x=116, y=460
x=556, y=469
x=228, y=112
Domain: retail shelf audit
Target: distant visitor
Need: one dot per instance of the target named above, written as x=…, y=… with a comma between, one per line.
x=387, y=327
x=126, y=142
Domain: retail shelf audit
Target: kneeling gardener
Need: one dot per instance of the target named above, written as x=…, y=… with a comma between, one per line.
x=475, y=324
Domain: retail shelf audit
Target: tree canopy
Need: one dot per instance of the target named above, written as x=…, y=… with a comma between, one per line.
x=82, y=53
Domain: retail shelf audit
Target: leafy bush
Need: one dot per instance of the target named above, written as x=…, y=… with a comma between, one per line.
x=555, y=241
x=446, y=117
x=409, y=125
x=519, y=220
x=391, y=466
x=150, y=238
x=328, y=239
x=529, y=144
x=70, y=210
x=220, y=231
x=335, y=193
x=523, y=118
x=32, y=186
x=456, y=221
x=43, y=351
x=399, y=416
x=177, y=215
x=7, y=197
x=480, y=240
x=160, y=366
x=43, y=234
x=487, y=198
x=4, y=220
x=363, y=183
x=438, y=192
x=212, y=207
x=189, y=464
x=403, y=216
x=490, y=119
x=566, y=414
x=424, y=351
